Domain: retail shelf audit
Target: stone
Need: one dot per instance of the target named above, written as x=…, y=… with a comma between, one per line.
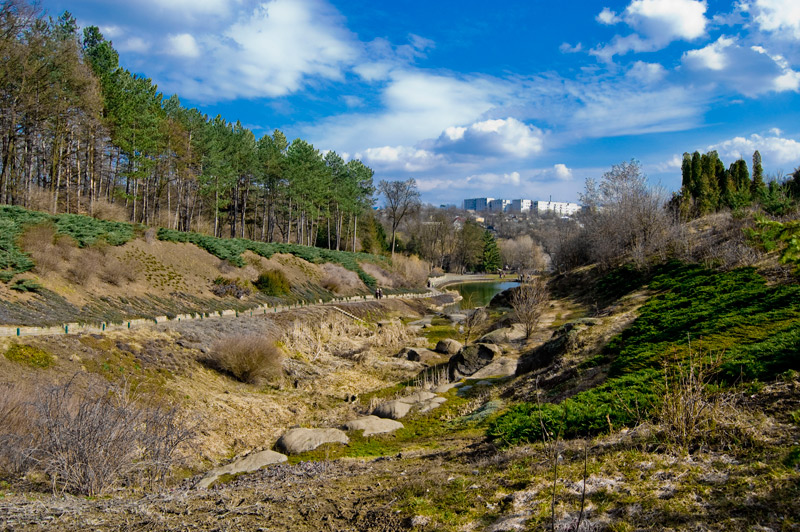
x=471, y=359
x=392, y=410
x=418, y=397
x=514, y=333
x=457, y=318
x=499, y=367
x=448, y=346
x=296, y=441
x=251, y=462
x=430, y=404
x=419, y=354
x=444, y=388
x=373, y=425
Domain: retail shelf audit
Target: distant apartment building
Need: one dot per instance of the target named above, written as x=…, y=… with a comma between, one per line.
x=559, y=207
x=520, y=205
x=499, y=205
x=477, y=204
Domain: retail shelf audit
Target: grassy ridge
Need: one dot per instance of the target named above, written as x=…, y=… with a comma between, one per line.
x=85, y=230
x=88, y=231
x=231, y=249
x=755, y=327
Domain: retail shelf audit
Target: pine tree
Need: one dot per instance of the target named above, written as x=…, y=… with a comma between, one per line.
x=757, y=187
x=492, y=260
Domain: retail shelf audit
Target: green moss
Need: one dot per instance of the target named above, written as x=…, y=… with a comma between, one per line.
x=29, y=355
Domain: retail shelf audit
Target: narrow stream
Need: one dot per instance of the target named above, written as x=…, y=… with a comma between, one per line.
x=477, y=294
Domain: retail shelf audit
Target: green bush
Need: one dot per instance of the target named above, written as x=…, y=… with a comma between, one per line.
x=26, y=285
x=755, y=326
x=29, y=355
x=272, y=283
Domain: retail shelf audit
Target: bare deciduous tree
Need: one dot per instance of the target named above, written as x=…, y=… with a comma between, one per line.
x=528, y=301
x=402, y=197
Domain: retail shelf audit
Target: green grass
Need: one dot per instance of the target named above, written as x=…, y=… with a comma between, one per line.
x=29, y=355
x=755, y=327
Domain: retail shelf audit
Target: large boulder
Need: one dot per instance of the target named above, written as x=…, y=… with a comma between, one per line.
x=448, y=346
x=471, y=359
x=419, y=354
x=296, y=441
x=373, y=425
x=392, y=410
x=513, y=333
x=417, y=397
x=251, y=462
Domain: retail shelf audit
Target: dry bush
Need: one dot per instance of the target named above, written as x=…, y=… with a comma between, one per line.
x=522, y=254
x=89, y=261
x=691, y=416
x=40, y=242
x=105, y=210
x=331, y=284
x=343, y=337
x=87, y=439
x=475, y=323
x=413, y=269
x=251, y=359
x=117, y=272
x=528, y=301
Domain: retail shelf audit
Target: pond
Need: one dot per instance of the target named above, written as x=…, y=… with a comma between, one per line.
x=478, y=294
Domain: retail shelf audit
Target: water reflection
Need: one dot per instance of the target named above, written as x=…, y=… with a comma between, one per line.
x=477, y=294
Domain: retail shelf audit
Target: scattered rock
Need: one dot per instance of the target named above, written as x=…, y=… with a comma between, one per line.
x=470, y=359
x=296, y=441
x=430, y=404
x=418, y=397
x=251, y=462
x=564, y=338
x=463, y=390
x=392, y=410
x=483, y=412
x=448, y=346
x=499, y=367
x=514, y=333
x=419, y=354
x=373, y=425
x=456, y=318
x=444, y=388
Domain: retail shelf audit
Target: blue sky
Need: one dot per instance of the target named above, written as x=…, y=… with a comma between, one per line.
x=473, y=98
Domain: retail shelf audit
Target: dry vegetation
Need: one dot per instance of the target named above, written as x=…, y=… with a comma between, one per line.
x=251, y=359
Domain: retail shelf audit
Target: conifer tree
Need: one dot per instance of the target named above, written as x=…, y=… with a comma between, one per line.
x=757, y=186
x=492, y=259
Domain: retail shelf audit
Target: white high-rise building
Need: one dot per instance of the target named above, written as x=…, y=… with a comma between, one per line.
x=559, y=207
x=520, y=205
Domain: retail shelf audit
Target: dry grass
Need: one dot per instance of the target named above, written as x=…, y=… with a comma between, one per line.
x=250, y=359
x=50, y=252
x=413, y=269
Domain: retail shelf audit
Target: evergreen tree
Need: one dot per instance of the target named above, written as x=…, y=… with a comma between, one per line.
x=757, y=187
x=492, y=259
x=686, y=172
x=697, y=172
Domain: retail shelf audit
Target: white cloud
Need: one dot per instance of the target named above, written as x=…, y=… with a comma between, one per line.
x=270, y=51
x=607, y=17
x=776, y=152
x=191, y=7
x=657, y=23
x=777, y=16
x=492, y=137
x=674, y=163
x=562, y=172
x=646, y=73
x=567, y=48
x=183, y=45
x=749, y=70
x=489, y=183
x=134, y=44
x=400, y=158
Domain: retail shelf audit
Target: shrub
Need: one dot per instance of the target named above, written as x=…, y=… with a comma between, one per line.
x=26, y=285
x=250, y=359
x=29, y=355
x=272, y=283
x=230, y=287
x=117, y=272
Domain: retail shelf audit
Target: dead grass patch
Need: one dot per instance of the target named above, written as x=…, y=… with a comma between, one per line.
x=250, y=359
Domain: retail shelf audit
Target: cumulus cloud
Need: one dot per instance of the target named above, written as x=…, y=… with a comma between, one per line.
x=656, y=23
x=486, y=183
x=607, y=17
x=134, y=44
x=183, y=45
x=400, y=158
x=646, y=73
x=269, y=51
x=492, y=137
x=776, y=152
x=191, y=7
x=781, y=16
x=748, y=70
x=562, y=172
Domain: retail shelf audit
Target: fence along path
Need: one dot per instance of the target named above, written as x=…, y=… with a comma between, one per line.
x=75, y=328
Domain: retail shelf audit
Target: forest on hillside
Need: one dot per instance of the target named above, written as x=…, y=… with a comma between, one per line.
x=80, y=134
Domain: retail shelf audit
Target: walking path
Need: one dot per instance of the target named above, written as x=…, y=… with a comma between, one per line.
x=74, y=328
